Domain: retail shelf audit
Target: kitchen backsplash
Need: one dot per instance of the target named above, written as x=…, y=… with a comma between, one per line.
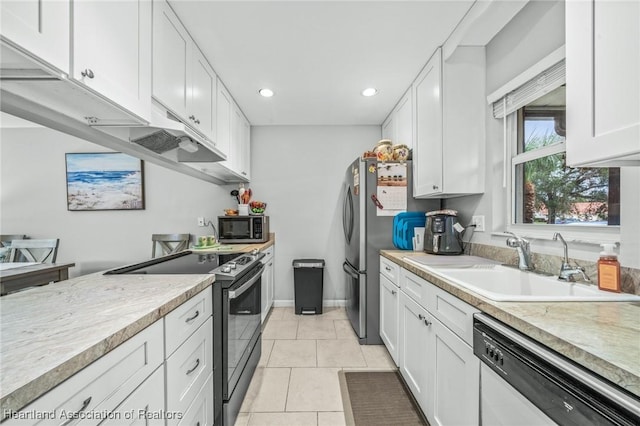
x=547, y=263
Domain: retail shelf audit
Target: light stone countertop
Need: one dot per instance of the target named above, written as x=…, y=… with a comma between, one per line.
x=604, y=337
x=239, y=248
x=49, y=333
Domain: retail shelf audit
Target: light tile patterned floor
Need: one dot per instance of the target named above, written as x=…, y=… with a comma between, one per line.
x=296, y=382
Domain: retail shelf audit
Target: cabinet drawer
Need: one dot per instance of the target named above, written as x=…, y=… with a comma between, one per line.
x=415, y=287
x=389, y=269
x=189, y=367
x=184, y=320
x=102, y=385
x=268, y=254
x=453, y=313
x=201, y=410
x=143, y=405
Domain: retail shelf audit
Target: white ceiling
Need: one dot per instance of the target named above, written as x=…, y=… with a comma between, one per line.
x=318, y=55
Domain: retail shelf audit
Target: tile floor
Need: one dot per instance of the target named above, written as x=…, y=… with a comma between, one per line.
x=296, y=382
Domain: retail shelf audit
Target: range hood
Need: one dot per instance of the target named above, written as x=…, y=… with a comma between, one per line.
x=168, y=136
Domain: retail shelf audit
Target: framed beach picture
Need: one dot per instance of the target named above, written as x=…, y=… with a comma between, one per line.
x=104, y=181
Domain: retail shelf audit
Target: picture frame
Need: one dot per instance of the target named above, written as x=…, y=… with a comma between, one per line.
x=99, y=181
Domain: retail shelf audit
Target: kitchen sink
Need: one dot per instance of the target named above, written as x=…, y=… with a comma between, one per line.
x=506, y=284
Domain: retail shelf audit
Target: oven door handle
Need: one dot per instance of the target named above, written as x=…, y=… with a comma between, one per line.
x=244, y=287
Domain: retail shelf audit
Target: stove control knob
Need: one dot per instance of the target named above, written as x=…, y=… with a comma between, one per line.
x=225, y=269
x=232, y=265
x=255, y=252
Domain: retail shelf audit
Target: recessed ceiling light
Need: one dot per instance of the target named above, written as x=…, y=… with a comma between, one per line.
x=371, y=91
x=267, y=93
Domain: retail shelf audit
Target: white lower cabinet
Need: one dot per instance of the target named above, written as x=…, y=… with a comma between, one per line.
x=434, y=347
x=389, y=315
x=201, y=410
x=143, y=407
x=137, y=383
x=268, y=282
x=415, y=346
x=103, y=385
x=189, y=368
x=454, y=380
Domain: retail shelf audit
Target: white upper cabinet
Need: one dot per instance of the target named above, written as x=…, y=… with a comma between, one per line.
x=449, y=116
x=240, y=143
x=171, y=64
x=38, y=27
x=427, y=152
x=387, y=128
x=403, y=121
x=233, y=134
x=112, y=52
x=224, y=105
x=203, y=95
x=183, y=80
x=603, y=83
x=398, y=127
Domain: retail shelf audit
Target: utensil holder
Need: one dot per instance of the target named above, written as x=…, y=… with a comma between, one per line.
x=243, y=209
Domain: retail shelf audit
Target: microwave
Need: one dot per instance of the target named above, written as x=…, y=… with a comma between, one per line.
x=243, y=229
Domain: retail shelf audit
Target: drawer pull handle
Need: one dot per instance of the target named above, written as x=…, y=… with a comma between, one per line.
x=420, y=317
x=85, y=404
x=393, y=292
x=387, y=268
x=193, y=317
x=194, y=367
x=427, y=322
x=87, y=73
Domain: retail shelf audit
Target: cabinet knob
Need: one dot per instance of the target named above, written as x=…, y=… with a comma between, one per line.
x=435, y=187
x=420, y=317
x=87, y=73
x=197, y=121
x=393, y=292
x=192, y=117
x=427, y=322
x=244, y=173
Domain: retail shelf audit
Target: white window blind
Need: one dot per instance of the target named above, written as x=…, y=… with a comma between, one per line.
x=541, y=84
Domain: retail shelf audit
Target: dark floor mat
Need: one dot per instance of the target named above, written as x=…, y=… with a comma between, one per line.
x=378, y=398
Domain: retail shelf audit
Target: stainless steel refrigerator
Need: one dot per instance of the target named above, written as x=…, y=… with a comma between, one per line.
x=366, y=232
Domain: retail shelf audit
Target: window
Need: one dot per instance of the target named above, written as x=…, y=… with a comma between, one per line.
x=545, y=190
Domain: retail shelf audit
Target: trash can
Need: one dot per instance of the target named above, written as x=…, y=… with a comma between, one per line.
x=307, y=281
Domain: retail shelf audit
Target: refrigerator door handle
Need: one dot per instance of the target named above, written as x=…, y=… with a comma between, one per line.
x=347, y=215
x=347, y=269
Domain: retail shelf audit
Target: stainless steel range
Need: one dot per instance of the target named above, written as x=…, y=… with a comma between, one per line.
x=239, y=349
x=236, y=318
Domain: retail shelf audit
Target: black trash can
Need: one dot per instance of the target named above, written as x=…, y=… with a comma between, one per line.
x=307, y=281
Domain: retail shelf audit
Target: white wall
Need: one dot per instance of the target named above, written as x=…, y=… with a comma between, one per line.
x=33, y=202
x=534, y=33
x=298, y=171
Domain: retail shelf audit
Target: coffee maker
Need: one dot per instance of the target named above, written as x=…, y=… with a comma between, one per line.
x=442, y=233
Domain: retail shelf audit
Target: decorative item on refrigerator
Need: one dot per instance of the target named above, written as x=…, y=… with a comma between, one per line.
x=403, y=228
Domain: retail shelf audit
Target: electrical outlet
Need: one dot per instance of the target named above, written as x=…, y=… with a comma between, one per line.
x=201, y=221
x=478, y=221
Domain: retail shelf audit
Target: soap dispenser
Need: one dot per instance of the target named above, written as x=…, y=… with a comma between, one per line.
x=608, y=269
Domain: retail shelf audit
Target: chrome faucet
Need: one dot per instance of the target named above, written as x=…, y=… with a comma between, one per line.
x=568, y=272
x=524, y=251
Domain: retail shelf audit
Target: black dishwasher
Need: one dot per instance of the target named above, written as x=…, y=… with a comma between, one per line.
x=565, y=392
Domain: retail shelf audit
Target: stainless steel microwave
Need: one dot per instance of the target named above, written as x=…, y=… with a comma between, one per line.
x=243, y=229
